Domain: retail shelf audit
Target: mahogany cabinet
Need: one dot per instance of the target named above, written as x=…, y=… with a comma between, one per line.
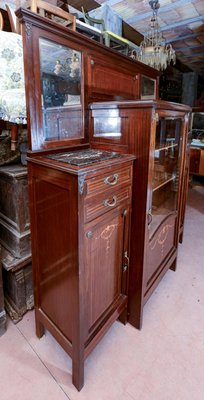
x=80, y=216
x=79, y=198
x=156, y=133
x=80, y=212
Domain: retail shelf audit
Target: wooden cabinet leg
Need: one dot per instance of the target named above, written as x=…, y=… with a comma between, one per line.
x=174, y=265
x=39, y=328
x=123, y=317
x=78, y=373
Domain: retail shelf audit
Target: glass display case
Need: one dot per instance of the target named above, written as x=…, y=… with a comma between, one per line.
x=156, y=133
x=166, y=166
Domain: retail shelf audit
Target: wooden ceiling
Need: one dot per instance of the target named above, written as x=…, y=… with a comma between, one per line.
x=181, y=22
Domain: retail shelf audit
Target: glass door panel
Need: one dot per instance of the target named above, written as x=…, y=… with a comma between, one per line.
x=165, y=179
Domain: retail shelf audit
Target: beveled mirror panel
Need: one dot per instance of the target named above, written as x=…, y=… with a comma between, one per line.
x=61, y=91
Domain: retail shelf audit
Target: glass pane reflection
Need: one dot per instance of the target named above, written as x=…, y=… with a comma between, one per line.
x=166, y=170
x=60, y=69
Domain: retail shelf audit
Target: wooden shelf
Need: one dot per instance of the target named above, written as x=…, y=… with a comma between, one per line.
x=162, y=182
x=166, y=147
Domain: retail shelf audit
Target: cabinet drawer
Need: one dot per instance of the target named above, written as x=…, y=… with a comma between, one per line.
x=104, y=202
x=111, y=179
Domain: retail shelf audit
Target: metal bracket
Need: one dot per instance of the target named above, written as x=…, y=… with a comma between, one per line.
x=81, y=180
x=28, y=28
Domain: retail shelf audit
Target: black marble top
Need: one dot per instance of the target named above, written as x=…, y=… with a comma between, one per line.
x=84, y=157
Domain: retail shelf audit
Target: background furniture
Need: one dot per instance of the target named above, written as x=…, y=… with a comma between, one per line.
x=2, y=311
x=12, y=87
x=197, y=143
x=91, y=31
x=18, y=284
x=156, y=132
x=14, y=23
x=111, y=39
x=14, y=215
x=1, y=22
x=51, y=11
x=15, y=238
x=197, y=160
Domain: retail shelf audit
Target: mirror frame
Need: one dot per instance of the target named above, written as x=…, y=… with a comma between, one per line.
x=31, y=35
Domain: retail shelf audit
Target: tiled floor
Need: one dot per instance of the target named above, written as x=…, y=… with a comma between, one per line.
x=164, y=361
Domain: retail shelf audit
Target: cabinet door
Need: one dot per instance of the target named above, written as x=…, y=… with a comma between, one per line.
x=106, y=259
x=165, y=169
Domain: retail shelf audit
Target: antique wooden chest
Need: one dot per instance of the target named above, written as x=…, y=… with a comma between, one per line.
x=18, y=284
x=14, y=216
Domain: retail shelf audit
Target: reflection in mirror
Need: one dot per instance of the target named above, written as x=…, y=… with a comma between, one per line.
x=60, y=69
x=167, y=158
x=147, y=88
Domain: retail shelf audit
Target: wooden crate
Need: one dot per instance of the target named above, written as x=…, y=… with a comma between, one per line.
x=14, y=215
x=18, y=285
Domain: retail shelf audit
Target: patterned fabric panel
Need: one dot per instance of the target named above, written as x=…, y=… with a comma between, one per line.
x=12, y=87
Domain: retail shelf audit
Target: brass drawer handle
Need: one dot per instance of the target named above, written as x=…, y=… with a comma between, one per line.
x=111, y=180
x=110, y=203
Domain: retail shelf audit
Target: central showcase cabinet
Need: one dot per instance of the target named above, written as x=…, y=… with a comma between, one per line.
x=156, y=133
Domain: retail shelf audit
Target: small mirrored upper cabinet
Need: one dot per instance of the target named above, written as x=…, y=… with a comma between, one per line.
x=61, y=97
x=148, y=88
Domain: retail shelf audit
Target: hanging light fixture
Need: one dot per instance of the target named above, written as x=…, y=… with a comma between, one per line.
x=153, y=50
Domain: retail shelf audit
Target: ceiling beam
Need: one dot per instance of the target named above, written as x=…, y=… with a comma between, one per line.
x=165, y=8
x=190, y=36
x=183, y=49
x=192, y=55
x=181, y=23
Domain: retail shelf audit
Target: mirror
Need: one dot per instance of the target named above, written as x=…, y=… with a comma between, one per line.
x=61, y=94
x=148, y=86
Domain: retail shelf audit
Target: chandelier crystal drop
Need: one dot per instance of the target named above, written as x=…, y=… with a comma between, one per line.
x=153, y=50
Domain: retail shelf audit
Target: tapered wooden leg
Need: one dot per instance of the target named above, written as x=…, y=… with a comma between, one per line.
x=39, y=328
x=123, y=317
x=78, y=373
x=174, y=265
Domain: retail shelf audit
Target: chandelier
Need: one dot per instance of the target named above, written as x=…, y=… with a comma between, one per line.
x=153, y=50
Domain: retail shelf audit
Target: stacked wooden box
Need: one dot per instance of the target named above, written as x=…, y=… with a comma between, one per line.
x=15, y=240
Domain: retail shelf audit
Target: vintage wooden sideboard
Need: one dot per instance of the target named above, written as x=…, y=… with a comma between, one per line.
x=81, y=210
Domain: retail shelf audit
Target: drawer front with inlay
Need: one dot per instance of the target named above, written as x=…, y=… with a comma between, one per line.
x=104, y=202
x=113, y=179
